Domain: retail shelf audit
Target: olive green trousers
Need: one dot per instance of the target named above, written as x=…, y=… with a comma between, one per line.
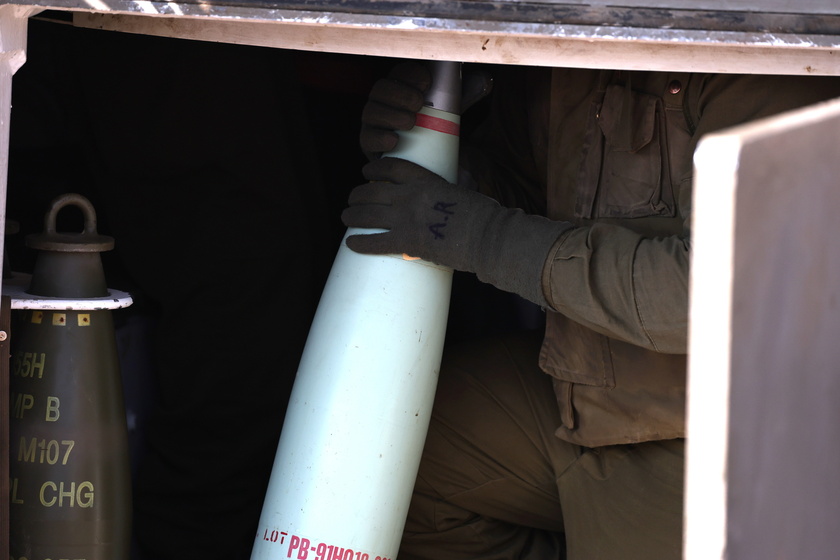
x=496, y=483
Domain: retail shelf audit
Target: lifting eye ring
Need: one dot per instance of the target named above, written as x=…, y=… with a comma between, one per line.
x=71, y=199
x=88, y=241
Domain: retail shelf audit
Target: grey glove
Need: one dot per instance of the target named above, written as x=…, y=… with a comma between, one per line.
x=428, y=217
x=392, y=105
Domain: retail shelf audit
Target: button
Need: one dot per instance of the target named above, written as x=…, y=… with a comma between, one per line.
x=674, y=87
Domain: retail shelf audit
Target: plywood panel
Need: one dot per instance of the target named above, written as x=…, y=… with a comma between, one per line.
x=764, y=425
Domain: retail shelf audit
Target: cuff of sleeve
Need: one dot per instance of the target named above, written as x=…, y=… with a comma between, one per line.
x=548, y=270
x=516, y=248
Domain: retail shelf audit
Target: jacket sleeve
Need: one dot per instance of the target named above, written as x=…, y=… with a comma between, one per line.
x=632, y=286
x=622, y=284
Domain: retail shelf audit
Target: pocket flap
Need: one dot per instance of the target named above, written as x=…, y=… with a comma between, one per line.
x=628, y=118
x=574, y=353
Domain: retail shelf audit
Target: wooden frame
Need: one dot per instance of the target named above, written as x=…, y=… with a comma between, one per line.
x=750, y=36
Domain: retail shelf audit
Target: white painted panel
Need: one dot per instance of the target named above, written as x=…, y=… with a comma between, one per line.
x=764, y=369
x=12, y=56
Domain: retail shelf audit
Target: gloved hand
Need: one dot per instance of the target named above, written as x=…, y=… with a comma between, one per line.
x=392, y=105
x=428, y=217
x=394, y=101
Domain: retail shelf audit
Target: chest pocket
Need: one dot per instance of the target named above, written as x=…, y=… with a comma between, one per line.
x=625, y=171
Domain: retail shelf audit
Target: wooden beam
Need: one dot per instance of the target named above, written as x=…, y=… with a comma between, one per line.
x=12, y=56
x=494, y=43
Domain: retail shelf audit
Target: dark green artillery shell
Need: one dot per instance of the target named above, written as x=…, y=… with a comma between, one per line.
x=70, y=481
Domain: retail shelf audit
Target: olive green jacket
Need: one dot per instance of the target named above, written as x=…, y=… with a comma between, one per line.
x=611, y=152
